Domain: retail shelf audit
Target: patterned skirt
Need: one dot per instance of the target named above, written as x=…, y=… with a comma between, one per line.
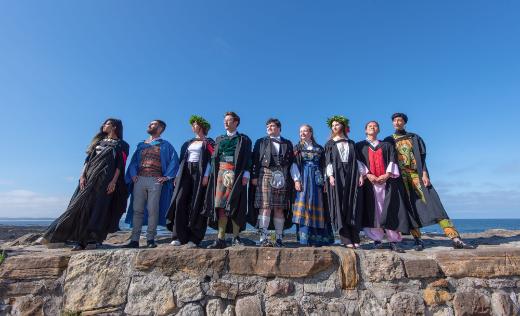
x=225, y=179
x=314, y=236
x=308, y=207
x=267, y=197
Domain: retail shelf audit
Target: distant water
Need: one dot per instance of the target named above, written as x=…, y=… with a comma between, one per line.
x=463, y=225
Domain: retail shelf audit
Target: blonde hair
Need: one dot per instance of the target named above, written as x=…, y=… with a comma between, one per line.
x=312, y=133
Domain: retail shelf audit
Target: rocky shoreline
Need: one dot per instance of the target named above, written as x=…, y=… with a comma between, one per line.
x=167, y=280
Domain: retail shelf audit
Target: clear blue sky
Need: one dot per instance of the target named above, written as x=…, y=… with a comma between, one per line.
x=452, y=66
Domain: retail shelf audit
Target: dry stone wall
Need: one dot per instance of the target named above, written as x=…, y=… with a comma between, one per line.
x=260, y=281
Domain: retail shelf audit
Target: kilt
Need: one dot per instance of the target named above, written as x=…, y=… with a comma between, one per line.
x=267, y=197
x=222, y=191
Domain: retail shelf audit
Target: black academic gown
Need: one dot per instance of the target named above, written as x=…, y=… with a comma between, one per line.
x=431, y=212
x=344, y=199
x=92, y=213
x=187, y=201
x=395, y=215
x=236, y=207
x=262, y=157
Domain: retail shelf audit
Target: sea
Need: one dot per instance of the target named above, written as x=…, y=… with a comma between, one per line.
x=463, y=225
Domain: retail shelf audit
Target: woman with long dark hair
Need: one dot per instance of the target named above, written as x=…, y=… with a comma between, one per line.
x=343, y=180
x=310, y=214
x=100, y=198
x=184, y=217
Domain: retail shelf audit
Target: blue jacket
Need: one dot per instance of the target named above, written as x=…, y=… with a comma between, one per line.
x=169, y=166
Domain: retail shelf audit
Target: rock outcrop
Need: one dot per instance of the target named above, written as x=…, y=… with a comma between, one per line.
x=256, y=281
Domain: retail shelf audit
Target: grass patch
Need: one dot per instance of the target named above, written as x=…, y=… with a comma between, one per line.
x=3, y=255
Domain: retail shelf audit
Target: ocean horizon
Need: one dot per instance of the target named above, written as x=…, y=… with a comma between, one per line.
x=462, y=225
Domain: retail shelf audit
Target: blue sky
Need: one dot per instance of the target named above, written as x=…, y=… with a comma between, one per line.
x=452, y=66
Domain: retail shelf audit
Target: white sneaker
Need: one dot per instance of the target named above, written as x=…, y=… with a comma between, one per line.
x=175, y=242
x=191, y=244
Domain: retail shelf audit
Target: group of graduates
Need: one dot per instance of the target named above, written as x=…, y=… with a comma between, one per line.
x=379, y=186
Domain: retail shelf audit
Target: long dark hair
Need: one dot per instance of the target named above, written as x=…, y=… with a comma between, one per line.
x=118, y=124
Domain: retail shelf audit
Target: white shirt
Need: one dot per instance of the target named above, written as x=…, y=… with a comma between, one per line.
x=276, y=144
x=344, y=151
x=194, y=151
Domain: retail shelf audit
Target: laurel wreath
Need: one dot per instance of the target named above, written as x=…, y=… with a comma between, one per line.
x=338, y=118
x=201, y=121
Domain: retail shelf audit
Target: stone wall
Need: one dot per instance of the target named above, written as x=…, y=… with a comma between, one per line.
x=256, y=281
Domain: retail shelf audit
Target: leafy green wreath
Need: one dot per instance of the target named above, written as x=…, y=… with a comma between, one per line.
x=338, y=118
x=201, y=121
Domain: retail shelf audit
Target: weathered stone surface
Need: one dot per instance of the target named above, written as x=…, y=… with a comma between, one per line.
x=250, y=285
x=249, y=306
x=215, y=307
x=276, y=262
x=440, y=283
x=194, y=262
x=33, y=267
x=339, y=307
x=28, y=305
x=107, y=311
x=348, y=267
x=480, y=263
x=224, y=289
x=150, y=294
x=21, y=288
x=418, y=268
x=191, y=309
x=381, y=265
x=433, y=296
x=469, y=283
x=368, y=305
x=502, y=305
x=441, y=311
x=230, y=311
x=471, y=302
x=284, y=306
x=406, y=304
x=97, y=279
x=280, y=287
x=501, y=283
x=313, y=305
x=331, y=285
x=25, y=240
x=189, y=291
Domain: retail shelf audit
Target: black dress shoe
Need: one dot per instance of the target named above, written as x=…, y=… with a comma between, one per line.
x=279, y=243
x=459, y=244
x=132, y=244
x=151, y=244
x=77, y=247
x=419, y=244
x=237, y=241
x=396, y=248
x=218, y=244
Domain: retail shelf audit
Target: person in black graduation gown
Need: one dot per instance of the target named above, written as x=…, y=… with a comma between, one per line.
x=426, y=206
x=343, y=193
x=101, y=196
x=385, y=210
x=226, y=196
x=271, y=189
x=185, y=218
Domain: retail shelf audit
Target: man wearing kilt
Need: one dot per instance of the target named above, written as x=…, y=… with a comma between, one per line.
x=226, y=195
x=272, y=184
